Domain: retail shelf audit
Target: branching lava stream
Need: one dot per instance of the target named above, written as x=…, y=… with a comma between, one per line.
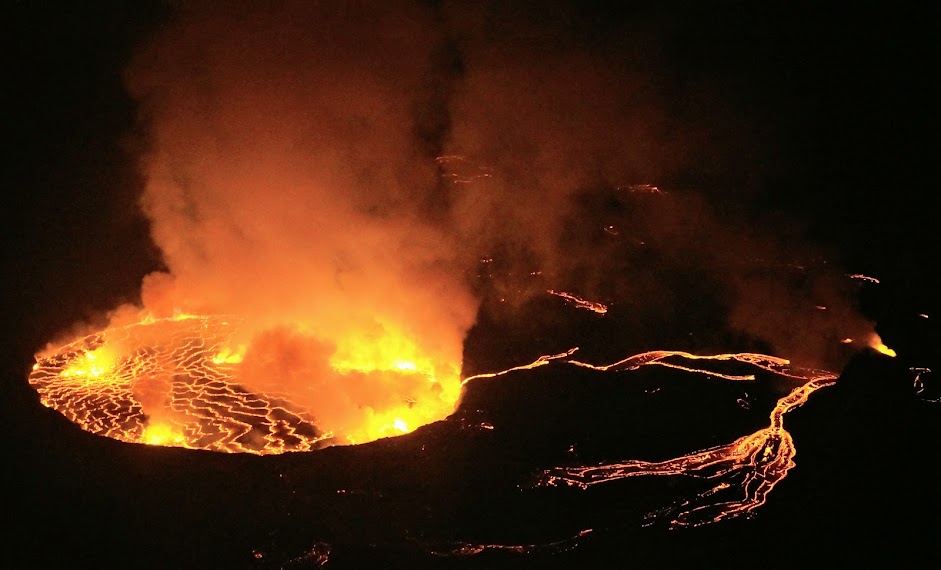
x=175, y=382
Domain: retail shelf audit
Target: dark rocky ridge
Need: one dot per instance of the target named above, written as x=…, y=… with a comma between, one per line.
x=859, y=491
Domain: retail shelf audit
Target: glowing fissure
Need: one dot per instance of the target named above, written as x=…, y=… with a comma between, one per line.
x=757, y=462
x=470, y=549
x=580, y=303
x=178, y=382
x=738, y=475
x=541, y=361
x=919, y=384
x=862, y=277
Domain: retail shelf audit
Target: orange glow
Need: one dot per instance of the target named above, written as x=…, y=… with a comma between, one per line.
x=398, y=358
x=91, y=365
x=148, y=317
x=229, y=356
x=182, y=385
x=580, y=303
x=862, y=277
x=398, y=420
x=161, y=434
x=179, y=382
x=392, y=351
x=762, y=458
x=876, y=344
x=541, y=361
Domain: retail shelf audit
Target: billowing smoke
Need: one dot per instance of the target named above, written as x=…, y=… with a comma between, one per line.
x=301, y=174
x=286, y=184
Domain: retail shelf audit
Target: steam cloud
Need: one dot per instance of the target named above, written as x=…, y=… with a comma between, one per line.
x=292, y=175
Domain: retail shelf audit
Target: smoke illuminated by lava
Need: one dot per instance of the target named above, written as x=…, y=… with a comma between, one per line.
x=330, y=176
x=177, y=382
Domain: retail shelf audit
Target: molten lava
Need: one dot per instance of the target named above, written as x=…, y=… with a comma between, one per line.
x=176, y=382
x=580, y=303
x=179, y=382
x=743, y=471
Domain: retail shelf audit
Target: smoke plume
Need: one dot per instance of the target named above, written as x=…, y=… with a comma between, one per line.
x=333, y=172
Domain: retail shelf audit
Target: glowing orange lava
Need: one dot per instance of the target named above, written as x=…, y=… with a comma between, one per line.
x=876, y=344
x=580, y=303
x=179, y=382
x=739, y=475
x=176, y=382
x=761, y=459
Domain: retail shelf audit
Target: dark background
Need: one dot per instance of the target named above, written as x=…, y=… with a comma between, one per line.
x=842, y=89
x=841, y=96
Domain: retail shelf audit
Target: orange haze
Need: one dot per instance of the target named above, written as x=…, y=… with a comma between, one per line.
x=291, y=179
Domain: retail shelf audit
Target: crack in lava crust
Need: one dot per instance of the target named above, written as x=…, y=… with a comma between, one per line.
x=163, y=383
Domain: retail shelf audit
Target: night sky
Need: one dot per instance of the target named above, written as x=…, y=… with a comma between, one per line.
x=822, y=114
x=815, y=116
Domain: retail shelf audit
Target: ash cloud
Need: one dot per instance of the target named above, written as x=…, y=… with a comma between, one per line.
x=291, y=172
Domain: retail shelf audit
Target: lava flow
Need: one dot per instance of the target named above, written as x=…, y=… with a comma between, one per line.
x=580, y=303
x=758, y=461
x=178, y=382
x=729, y=480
